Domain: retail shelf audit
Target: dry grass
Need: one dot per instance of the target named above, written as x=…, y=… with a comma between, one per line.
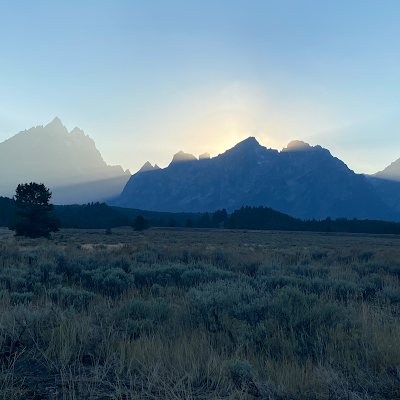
x=54, y=349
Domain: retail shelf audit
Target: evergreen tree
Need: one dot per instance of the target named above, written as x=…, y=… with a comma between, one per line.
x=7, y=209
x=204, y=221
x=32, y=218
x=140, y=223
x=218, y=218
x=231, y=222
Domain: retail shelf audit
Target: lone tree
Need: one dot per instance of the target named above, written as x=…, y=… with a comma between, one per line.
x=140, y=223
x=32, y=217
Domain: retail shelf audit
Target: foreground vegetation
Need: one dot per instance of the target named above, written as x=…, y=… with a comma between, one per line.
x=176, y=313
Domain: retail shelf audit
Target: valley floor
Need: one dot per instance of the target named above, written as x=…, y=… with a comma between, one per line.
x=177, y=313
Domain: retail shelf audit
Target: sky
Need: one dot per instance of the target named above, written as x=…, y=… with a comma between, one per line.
x=146, y=79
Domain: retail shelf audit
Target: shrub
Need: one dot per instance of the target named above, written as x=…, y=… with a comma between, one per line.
x=72, y=267
x=113, y=281
x=390, y=295
x=212, y=301
x=17, y=298
x=138, y=309
x=201, y=273
x=67, y=297
x=141, y=316
x=178, y=274
x=365, y=256
x=220, y=258
x=294, y=309
x=241, y=374
x=14, y=279
x=307, y=320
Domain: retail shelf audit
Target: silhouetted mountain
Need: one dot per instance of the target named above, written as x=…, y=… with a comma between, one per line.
x=302, y=180
x=391, y=172
x=181, y=156
x=204, y=156
x=387, y=184
x=66, y=162
x=148, y=167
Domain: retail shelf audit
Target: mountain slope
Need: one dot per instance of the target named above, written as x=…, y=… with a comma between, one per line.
x=67, y=162
x=387, y=184
x=303, y=181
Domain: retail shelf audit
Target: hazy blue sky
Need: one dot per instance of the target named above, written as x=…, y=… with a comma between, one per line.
x=146, y=79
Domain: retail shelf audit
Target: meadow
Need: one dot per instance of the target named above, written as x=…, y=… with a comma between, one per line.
x=180, y=313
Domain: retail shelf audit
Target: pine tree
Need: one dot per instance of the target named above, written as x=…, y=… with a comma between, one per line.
x=140, y=223
x=32, y=218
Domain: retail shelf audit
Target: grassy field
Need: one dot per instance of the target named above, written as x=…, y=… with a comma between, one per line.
x=174, y=313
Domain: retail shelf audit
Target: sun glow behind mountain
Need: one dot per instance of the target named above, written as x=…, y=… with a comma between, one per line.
x=215, y=120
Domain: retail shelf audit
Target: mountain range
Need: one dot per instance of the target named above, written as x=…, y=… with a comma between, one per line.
x=300, y=180
x=67, y=162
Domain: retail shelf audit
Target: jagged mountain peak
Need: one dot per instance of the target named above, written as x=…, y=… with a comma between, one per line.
x=297, y=145
x=251, y=141
x=67, y=162
x=56, y=126
x=77, y=132
x=182, y=156
x=204, y=156
x=56, y=121
x=246, y=146
x=147, y=167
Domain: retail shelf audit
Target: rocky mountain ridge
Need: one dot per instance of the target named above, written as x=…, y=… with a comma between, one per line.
x=301, y=180
x=67, y=162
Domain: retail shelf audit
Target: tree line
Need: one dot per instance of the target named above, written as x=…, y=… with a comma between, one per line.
x=31, y=203
x=265, y=218
x=101, y=216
